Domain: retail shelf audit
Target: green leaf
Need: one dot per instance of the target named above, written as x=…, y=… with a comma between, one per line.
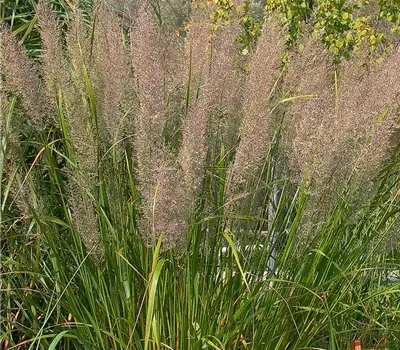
x=57, y=339
x=236, y=255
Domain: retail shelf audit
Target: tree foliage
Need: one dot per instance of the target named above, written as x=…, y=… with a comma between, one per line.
x=343, y=25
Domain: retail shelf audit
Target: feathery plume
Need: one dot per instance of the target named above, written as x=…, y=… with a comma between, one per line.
x=223, y=63
x=218, y=94
x=79, y=49
x=308, y=119
x=367, y=118
x=83, y=213
x=149, y=124
x=55, y=69
x=81, y=128
x=111, y=72
x=170, y=209
x=193, y=150
x=225, y=84
x=329, y=141
x=22, y=79
x=148, y=54
x=197, y=51
x=308, y=133
x=83, y=136
x=336, y=144
x=255, y=130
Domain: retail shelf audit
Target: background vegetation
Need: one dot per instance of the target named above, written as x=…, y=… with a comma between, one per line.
x=213, y=175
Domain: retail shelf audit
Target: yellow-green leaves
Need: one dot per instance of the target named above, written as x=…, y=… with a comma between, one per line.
x=390, y=11
x=339, y=23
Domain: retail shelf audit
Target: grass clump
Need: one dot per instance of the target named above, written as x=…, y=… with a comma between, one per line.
x=169, y=193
